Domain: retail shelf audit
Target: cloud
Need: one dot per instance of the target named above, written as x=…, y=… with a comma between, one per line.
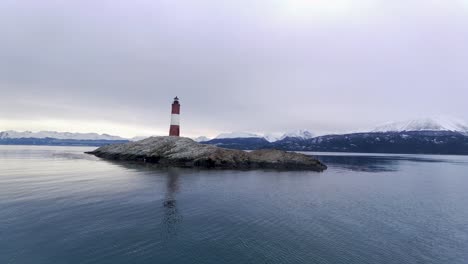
x=237, y=65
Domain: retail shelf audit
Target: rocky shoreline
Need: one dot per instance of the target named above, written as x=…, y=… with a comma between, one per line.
x=184, y=152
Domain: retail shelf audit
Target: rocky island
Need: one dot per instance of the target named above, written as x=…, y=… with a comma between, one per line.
x=184, y=152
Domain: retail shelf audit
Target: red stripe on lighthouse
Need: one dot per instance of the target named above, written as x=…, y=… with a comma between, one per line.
x=174, y=130
x=175, y=108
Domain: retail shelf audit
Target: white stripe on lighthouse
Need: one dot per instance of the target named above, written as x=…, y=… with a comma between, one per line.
x=175, y=118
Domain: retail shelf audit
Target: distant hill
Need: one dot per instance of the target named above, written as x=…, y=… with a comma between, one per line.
x=240, y=143
x=421, y=136
x=58, y=142
x=408, y=142
x=425, y=124
x=53, y=138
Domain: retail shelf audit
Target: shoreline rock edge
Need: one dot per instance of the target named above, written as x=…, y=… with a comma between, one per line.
x=173, y=151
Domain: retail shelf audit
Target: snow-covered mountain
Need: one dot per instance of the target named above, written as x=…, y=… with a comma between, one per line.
x=420, y=136
x=201, y=139
x=10, y=134
x=238, y=135
x=301, y=134
x=298, y=134
x=425, y=124
x=272, y=137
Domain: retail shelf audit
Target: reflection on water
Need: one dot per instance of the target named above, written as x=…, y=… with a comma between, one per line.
x=171, y=217
x=381, y=163
x=171, y=214
x=58, y=205
x=363, y=163
x=172, y=187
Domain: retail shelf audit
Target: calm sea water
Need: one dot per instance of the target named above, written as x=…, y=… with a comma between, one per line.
x=58, y=205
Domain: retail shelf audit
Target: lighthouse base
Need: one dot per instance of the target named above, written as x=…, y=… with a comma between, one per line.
x=174, y=131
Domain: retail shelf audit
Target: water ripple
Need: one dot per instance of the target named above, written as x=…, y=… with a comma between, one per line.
x=58, y=205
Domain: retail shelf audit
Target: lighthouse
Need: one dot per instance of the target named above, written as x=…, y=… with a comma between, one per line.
x=175, y=130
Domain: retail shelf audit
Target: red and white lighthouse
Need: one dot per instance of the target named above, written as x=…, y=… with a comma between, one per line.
x=175, y=129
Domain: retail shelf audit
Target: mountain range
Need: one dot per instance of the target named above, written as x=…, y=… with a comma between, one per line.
x=54, y=138
x=425, y=124
x=417, y=136
x=58, y=135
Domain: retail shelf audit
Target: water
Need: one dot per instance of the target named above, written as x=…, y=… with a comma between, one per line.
x=58, y=205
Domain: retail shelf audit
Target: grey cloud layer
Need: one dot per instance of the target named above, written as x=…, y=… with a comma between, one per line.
x=237, y=65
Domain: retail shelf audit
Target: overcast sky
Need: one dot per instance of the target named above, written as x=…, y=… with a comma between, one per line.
x=242, y=65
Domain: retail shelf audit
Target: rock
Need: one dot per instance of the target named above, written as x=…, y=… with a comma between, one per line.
x=184, y=152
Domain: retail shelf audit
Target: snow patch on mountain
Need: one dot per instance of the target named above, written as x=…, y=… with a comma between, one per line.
x=272, y=137
x=57, y=135
x=301, y=133
x=238, y=135
x=201, y=139
x=425, y=124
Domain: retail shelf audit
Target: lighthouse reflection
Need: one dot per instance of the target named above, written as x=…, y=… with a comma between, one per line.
x=171, y=216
